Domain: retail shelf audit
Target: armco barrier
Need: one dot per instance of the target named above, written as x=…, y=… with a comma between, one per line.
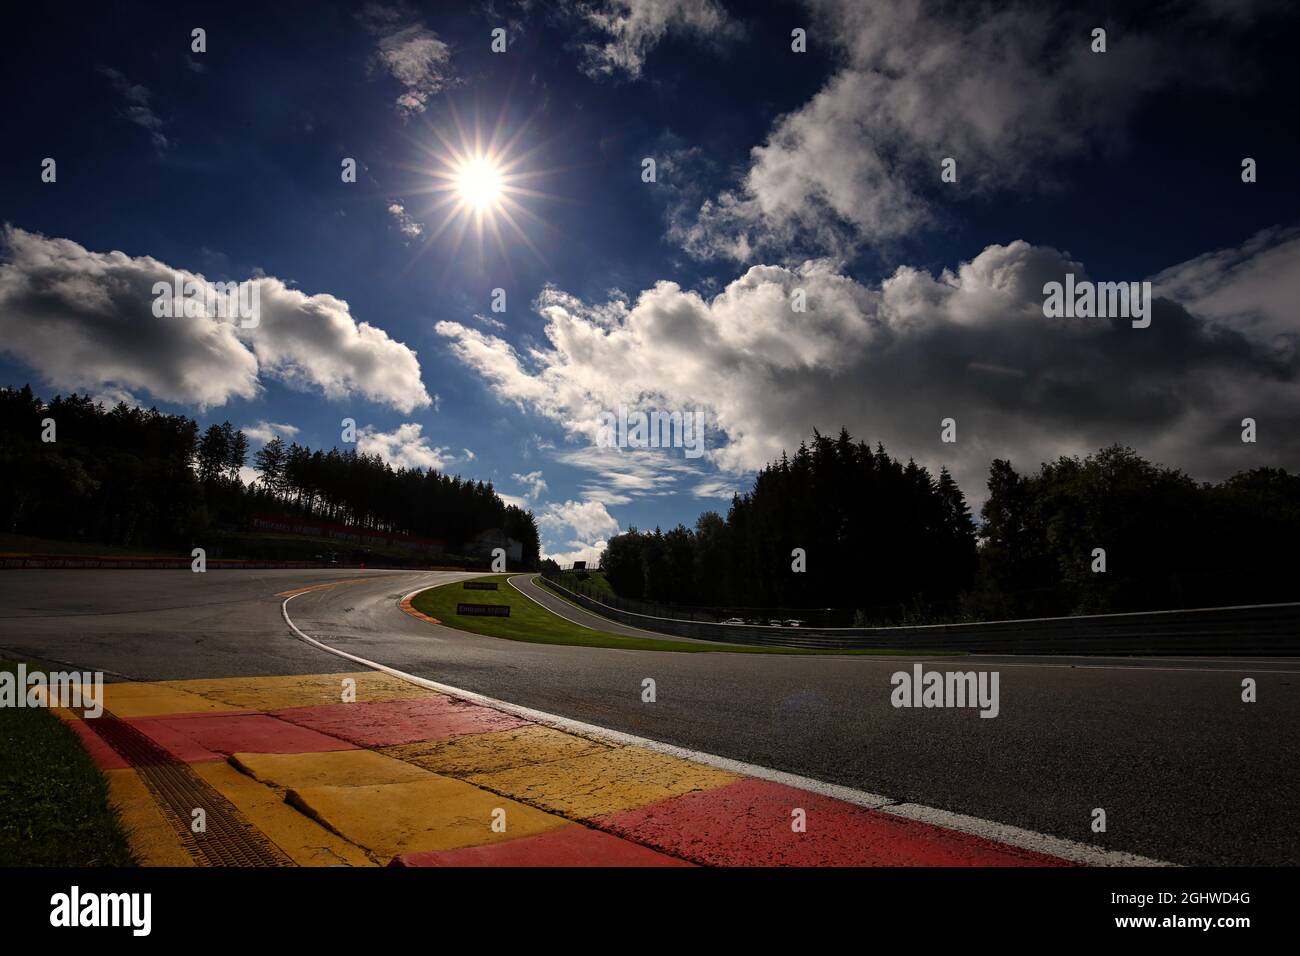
x=84, y=562
x=79, y=562
x=1251, y=630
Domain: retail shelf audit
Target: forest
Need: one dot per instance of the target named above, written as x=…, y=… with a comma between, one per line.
x=893, y=543
x=139, y=477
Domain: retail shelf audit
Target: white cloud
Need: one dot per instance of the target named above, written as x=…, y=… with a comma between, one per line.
x=603, y=494
x=629, y=29
x=1255, y=286
x=264, y=431
x=889, y=362
x=404, y=447
x=587, y=519
x=577, y=551
x=313, y=340
x=582, y=527
x=1004, y=89
x=595, y=492
x=717, y=488
x=111, y=396
x=533, y=481
x=85, y=320
x=622, y=474
x=410, y=53
x=137, y=109
x=407, y=226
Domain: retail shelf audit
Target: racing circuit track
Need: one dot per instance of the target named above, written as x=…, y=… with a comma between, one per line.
x=1186, y=772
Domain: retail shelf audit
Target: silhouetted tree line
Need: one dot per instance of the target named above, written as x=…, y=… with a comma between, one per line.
x=1169, y=541
x=897, y=544
x=872, y=529
x=130, y=476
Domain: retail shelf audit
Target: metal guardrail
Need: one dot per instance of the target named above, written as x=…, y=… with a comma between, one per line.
x=11, y=562
x=708, y=614
x=1246, y=631
x=83, y=562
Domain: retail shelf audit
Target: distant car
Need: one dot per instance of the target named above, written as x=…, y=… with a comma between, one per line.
x=793, y=623
x=755, y=622
x=776, y=623
x=734, y=620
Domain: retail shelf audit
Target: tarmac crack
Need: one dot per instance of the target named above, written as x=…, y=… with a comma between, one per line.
x=295, y=803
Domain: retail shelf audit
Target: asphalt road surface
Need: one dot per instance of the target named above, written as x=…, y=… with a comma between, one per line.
x=1185, y=771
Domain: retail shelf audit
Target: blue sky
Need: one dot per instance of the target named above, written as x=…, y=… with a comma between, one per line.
x=776, y=171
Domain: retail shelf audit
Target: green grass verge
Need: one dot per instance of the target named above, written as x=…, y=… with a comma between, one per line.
x=54, y=808
x=529, y=621
x=593, y=579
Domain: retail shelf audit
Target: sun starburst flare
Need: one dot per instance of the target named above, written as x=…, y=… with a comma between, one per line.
x=479, y=185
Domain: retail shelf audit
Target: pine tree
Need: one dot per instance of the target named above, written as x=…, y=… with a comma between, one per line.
x=270, y=462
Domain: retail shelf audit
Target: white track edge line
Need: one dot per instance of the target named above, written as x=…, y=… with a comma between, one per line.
x=988, y=829
x=655, y=635
x=511, y=581
x=1017, y=836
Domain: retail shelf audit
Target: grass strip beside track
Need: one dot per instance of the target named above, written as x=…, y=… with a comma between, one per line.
x=529, y=621
x=54, y=808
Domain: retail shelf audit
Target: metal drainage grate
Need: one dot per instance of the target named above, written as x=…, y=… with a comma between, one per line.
x=230, y=839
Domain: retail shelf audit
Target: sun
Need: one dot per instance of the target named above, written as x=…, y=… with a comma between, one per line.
x=479, y=182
